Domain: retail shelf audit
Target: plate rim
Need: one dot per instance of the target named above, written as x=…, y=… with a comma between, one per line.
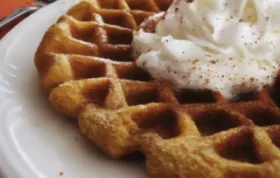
x=7, y=169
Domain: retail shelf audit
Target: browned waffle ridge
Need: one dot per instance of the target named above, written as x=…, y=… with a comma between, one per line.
x=84, y=62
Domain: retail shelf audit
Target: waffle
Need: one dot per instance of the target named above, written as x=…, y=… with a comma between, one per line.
x=85, y=63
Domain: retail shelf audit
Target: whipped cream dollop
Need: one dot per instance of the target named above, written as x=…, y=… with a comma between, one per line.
x=230, y=46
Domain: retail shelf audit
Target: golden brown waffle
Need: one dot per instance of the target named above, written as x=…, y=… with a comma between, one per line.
x=84, y=61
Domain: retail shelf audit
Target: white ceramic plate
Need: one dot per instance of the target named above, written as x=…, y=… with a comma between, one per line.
x=36, y=141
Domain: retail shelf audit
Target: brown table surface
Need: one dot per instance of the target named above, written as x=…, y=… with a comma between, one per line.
x=7, y=7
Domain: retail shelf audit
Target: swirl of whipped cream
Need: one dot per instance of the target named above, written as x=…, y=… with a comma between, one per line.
x=229, y=46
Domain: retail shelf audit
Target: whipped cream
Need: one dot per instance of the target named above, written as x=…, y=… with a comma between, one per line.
x=229, y=46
